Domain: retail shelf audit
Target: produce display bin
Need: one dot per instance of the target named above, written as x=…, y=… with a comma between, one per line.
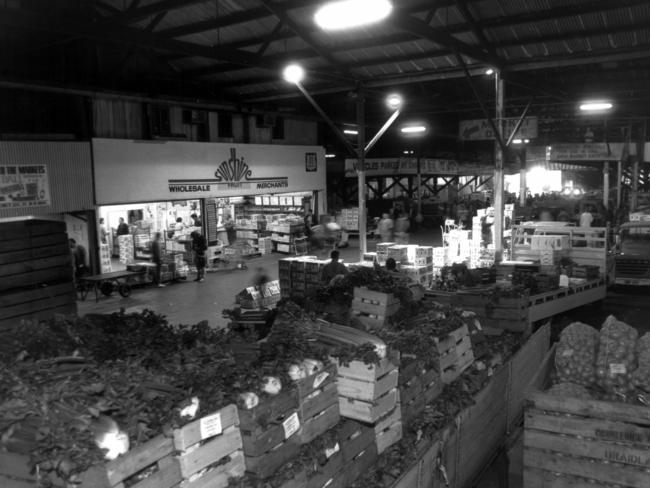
x=266, y=431
x=579, y=442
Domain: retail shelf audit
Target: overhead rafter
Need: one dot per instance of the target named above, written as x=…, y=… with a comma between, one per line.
x=134, y=15
x=476, y=29
x=282, y=15
x=106, y=31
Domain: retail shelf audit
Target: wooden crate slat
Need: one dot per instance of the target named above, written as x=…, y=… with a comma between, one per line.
x=31, y=278
x=9, y=299
x=44, y=304
x=30, y=228
x=30, y=254
x=367, y=390
x=307, y=386
x=19, y=244
x=35, y=265
x=610, y=473
x=312, y=406
x=384, y=310
x=265, y=465
x=600, y=451
x=366, y=372
x=365, y=411
x=361, y=462
x=596, y=429
x=269, y=408
x=317, y=425
x=326, y=474
x=354, y=438
x=190, y=433
x=388, y=437
x=218, y=477
x=211, y=452
x=167, y=476
x=139, y=458
x=259, y=441
x=538, y=478
x=378, y=297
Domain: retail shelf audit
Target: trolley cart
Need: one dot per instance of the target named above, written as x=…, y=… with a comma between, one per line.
x=106, y=283
x=234, y=257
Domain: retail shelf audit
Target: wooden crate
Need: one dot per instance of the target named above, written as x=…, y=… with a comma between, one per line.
x=358, y=465
x=455, y=354
x=367, y=392
x=266, y=430
x=417, y=388
x=575, y=442
x=210, y=449
x=425, y=471
x=373, y=308
x=318, y=405
x=388, y=429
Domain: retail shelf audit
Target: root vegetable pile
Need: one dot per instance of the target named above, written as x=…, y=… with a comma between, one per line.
x=576, y=354
x=641, y=376
x=570, y=390
x=616, y=359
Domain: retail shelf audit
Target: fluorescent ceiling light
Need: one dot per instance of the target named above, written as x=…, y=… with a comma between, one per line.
x=595, y=106
x=330, y=156
x=293, y=73
x=489, y=71
x=408, y=152
x=517, y=141
x=351, y=13
x=413, y=129
x=352, y=132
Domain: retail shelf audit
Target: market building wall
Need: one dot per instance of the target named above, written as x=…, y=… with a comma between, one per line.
x=66, y=172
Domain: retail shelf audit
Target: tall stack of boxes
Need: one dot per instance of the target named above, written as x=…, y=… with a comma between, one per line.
x=299, y=276
x=348, y=218
x=105, y=258
x=382, y=251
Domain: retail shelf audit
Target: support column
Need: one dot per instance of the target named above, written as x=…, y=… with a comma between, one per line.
x=498, y=170
x=635, y=181
x=361, y=170
x=522, y=179
x=619, y=182
x=606, y=184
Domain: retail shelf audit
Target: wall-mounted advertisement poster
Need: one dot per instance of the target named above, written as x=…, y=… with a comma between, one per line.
x=24, y=185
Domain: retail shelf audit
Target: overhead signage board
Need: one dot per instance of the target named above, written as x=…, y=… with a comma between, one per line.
x=481, y=130
x=140, y=171
x=24, y=185
x=590, y=151
x=409, y=166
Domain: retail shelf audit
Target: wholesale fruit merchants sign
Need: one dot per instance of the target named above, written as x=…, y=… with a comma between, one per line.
x=24, y=185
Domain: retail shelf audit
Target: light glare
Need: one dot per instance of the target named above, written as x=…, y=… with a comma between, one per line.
x=330, y=156
x=595, y=106
x=413, y=129
x=293, y=73
x=489, y=71
x=352, y=132
x=394, y=101
x=351, y=13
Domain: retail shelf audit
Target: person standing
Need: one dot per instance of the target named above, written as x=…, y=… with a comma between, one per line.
x=196, y=222
x=103, y=232
x=156, y=257
x=401, y=229
x=385, y=228
x=309, y=222
x=79, y=255
x=333, y=270
x=199, y=246
x=586, y=218
x=231, y=231
x=122, y=228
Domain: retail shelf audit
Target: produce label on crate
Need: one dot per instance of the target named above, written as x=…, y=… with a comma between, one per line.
x=291, y=425
x=320, y=377
x=330, y=451
x=617, y=368
x=211, y=425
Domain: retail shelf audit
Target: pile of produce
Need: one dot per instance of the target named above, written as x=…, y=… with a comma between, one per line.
x=603, y=365
x=616, y=359
x=576, y=354
x=641, y=376
x=458, y=275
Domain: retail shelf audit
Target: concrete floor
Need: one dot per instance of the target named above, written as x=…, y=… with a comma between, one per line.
x=188, y=302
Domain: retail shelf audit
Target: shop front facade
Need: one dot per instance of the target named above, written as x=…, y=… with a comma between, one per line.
x=222, y=190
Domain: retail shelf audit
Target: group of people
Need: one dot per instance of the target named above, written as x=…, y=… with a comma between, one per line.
x=397, y=230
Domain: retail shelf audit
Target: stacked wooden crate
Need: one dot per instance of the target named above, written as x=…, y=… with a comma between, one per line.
x=205, y=452
x=358, y=450
x=382, y=251
x=455, y=354
x=266, y=432
x=583, y=442
x=318, y=404
x=373, y=308
x=36, y=276
x=368, y=393
x=418, y=387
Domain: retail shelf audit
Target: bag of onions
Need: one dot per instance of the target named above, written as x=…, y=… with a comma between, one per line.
x=575, y=357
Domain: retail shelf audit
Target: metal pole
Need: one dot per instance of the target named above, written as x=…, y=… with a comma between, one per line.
x=381, y=132
x=619, y=179
x=361, y=169
x=498, y=168
x=522, y=179
x=606, y=184
x=418, y=216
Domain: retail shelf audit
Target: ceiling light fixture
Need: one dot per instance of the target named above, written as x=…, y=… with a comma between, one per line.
x=594, y=106
x=413, y=129
x=394, y=101
x=293, y=73
x=351, y=132
x=330, y=156
x=489, y=71
x=347, y=14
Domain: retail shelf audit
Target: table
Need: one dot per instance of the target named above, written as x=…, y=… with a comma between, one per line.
x=106, y=283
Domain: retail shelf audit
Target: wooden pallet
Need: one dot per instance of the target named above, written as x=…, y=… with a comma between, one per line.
x=266, y=431
x=571, y=441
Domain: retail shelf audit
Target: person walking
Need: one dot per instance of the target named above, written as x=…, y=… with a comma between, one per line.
x=199, y=246
x=586, y=218
x=156, y=257
x=385, y=228
x=79, y=256
x=401, y=229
